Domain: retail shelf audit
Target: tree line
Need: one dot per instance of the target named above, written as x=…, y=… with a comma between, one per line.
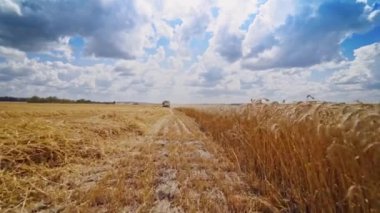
x=50, y=99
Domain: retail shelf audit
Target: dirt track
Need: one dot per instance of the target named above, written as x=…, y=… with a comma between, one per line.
x=192, y=173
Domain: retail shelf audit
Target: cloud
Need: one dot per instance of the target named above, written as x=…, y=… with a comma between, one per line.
x=111, y=28
x=11, y=54
x=211, y=76
x=302, y=34
x=194, y=26
x=188, y=51
x=119, y=80
x=228, y=45
x=203, y=75
x=195, y=20
x=10, y=6
x=364, y=70
x=216, y=92
x=51, y=77
x=9, y=73
x=226, y=28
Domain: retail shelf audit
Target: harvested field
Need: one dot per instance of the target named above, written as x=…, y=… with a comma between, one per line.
x=307, y=157
x=49, y=153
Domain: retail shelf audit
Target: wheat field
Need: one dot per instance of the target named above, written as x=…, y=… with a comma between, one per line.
x=305, y=157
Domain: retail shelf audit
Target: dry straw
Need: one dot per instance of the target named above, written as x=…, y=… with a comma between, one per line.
x=41, y=146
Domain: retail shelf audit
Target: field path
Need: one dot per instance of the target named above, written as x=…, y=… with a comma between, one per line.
x=192, y=173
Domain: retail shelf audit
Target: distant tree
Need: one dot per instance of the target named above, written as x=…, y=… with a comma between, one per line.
x=83, y=101
x=34, y=99
x=13, y=99
x=51, y=99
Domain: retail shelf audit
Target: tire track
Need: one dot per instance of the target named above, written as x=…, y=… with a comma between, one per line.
x=192, y=174
x=184, y=128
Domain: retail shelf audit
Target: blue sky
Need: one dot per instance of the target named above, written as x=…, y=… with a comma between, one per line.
x=201, y=51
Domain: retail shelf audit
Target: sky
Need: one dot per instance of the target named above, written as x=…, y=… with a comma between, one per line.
x=199, y=51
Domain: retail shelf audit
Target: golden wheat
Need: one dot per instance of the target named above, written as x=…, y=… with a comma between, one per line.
x=304, y=157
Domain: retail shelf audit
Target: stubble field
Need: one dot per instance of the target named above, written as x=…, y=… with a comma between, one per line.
x=52, y=154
